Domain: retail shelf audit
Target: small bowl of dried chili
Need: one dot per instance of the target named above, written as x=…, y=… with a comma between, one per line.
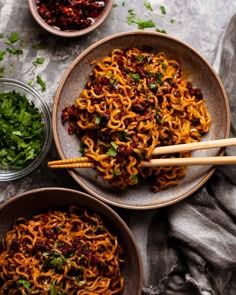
x=70, y=18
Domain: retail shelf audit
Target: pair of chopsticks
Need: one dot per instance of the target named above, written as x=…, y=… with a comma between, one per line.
x=84, y=162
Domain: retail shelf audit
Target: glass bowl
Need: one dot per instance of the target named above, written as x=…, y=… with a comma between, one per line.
x=10, y=85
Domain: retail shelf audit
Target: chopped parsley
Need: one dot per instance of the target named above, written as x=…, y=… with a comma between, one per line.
x=97, y=119
x=25, y=283
x=13, y=38
x=1, y=35
x=148, y=5
x=142, y=24
x=21, y=131
x=115, y=173
x=112, y=151
x=161, y=31
x=114, y=5
x=123, y=3
x=2, y=53
x=135, y=77
x=163, y=10
x=41, y=83
x=172, y=21
x=16, y=51
x=38, y=61
x=135, y=178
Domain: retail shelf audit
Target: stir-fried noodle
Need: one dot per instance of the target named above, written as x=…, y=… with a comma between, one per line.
x=60, y=253
x=135, y=101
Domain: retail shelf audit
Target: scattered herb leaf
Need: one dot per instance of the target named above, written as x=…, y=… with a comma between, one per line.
x=97, y=119
x=163, y=10
x=115, y=173
x=25, y=283
x=172, y=21
x=135, y=178
x=1, y=35
x=146, y=24
x=148, y=5
x=161, y=31
x=123, y=3
x=2, y=53
x=16, y=51
x=38, y=61
x=112, y=152
x=114, y=5
x=14, y=37
x=41, y=83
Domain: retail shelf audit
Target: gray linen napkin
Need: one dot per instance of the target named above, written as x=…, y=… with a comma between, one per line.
x=190, y=248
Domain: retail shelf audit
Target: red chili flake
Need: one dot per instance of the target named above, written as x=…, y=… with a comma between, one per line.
x=70, y=15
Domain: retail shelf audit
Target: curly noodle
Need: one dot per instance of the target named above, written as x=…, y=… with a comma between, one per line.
x=60, y=253
x=134, y=102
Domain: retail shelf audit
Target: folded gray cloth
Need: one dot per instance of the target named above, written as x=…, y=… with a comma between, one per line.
x=190, y=247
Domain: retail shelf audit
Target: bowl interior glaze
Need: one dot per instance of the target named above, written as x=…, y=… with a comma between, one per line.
x=33, y=202
x=195, y=68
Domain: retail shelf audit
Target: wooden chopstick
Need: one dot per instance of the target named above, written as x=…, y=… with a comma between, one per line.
x=84, y=162
x=229, y=160
x=163, y=150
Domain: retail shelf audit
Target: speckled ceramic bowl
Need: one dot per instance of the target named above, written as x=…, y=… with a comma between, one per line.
x=202, y=75
x=33, y=202
x=70, y=33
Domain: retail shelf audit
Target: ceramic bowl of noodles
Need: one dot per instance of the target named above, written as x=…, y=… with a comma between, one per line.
x=127, y=95
x=61, y=241
x=70, y=19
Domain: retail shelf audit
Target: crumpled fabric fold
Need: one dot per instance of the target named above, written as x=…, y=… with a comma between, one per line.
x=190, y=247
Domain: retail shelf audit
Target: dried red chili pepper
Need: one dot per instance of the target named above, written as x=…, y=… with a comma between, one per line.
x=70, y=14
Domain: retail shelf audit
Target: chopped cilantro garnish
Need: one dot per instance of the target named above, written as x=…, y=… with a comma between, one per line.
x=25, y=283
x=146, y=24
x=114, y=5
x=161, y=31
x=41, y=83
x=172, y=21
x=163, y=10
x=2, y=53
x=135, y=178
x=16, y=51
x=38, y=61
x=97, y=119
x=14, y=37
x=115, y=173
x=1, y=35
x=123, y=3
x=21, y=130
x=135, y=76
x=11, y=68
x=82, y=149
x=112, y=152
x=148, y=5
x=139, y=57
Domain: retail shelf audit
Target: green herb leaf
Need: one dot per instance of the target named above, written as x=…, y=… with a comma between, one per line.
x=163, y=10
x=21, y=130
x=146, y=24
x=16, y=51
x=14, y=37
x=115, y=173
x=139, y=57
x=148, y=5
x=172, y=21
x=161, y=31
x=112, y=152
x=135, y=77
x=135, y=178
x=114, y=5
x=1, y=35
x=123, y=3
x=38, y=61
x=83, y=148
x=97, y=119
x=25, y=283
x=2, y=53
x=41, y=83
